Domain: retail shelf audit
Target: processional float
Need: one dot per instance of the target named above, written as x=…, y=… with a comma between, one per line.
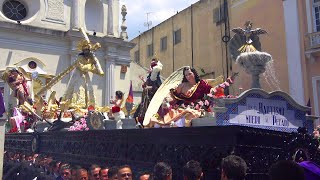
x=86, y=62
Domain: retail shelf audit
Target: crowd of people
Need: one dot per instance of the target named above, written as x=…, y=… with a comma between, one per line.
x=18, y=166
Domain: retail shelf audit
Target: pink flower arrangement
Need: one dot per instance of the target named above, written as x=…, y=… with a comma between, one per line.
x=80, y=125
x=208, y=100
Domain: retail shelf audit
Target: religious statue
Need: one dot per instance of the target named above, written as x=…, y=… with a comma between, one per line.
x=116, y=111
x=17, y=80
x=173, y=103
x=150, y=86
x=245, y=40
x=79, y=89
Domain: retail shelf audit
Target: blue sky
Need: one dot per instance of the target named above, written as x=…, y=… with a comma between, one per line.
x=159, y=10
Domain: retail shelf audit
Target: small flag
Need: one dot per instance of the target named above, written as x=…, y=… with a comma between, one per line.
x=130, y=95
x=129, y=101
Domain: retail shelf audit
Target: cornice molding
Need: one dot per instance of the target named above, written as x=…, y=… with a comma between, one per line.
x=58, y=48
x=32, y=29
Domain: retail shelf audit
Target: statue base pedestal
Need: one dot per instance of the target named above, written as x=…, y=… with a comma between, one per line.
x=127, y=124
x=207, y=121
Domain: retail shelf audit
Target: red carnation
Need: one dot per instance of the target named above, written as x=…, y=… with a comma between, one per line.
x=13, y=130
x=115, y=109
x=219, y=92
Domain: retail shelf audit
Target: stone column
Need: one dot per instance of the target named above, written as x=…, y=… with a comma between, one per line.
x=294, y=50
x=110, y=18
x=73, y=51
x=75, y=14
x=115, y=18
x=109, y=92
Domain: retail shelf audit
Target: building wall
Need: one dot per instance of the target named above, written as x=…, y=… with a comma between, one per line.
x=310, y=58
x=197, y=50
x=207, y=46
x=313, y=88
x=269, y=16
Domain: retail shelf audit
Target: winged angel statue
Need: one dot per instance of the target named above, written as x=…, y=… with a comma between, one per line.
x=245, y=40
x=174, y=81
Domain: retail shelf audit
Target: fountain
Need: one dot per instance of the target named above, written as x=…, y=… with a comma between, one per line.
x=270, y=76
x=245, y=49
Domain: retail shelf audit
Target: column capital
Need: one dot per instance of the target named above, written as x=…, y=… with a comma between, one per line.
x=111, y=58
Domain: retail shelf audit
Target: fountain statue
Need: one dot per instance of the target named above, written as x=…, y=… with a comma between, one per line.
x=245, y=49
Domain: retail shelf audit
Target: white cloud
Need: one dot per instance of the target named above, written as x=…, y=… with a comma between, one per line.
x=158, y=10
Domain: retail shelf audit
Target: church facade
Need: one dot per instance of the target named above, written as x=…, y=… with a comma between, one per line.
x=41, y=36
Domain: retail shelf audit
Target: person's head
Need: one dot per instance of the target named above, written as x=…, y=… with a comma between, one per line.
x=145, y=176
x=113, y=173
x=56, y=168
x=82, y=174
x=74, y=172
x=65, y=172
x=300, y=156
x=29, y=157
x=153, y=63
x=51, y=164
x=233, y=167
x=35, y=156
x=104, y=173
x=14, y=72
x=162, y=171
x=288, y=170
x=192, y=170
x=190, y=75
x=119, y=94
x=124, y=173
x=94, y=172
x=86, y=48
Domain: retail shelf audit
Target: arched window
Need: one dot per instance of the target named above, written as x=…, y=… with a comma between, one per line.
x=94, y=15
